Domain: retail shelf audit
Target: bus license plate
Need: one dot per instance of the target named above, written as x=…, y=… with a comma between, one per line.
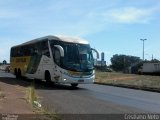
x=80, y=80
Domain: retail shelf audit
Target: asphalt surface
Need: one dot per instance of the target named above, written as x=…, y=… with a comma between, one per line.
x=95, y=99
x=6, y=74
x=99, y=99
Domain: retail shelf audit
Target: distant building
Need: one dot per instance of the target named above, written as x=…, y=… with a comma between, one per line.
x=102, y=56
x=101, y=62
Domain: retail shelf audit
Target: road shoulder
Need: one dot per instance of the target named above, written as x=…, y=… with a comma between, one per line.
x=13, y=99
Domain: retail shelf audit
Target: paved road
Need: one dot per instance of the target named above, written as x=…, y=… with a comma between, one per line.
x=5, y=74
x=96, y=99
x=99, y=99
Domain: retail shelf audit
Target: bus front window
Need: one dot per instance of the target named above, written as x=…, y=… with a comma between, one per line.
x=77, y=57
x=86, y=58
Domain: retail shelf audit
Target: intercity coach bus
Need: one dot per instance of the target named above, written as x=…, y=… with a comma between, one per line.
x=60, y=59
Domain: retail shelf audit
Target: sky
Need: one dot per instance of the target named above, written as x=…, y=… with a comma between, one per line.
x=110, y=26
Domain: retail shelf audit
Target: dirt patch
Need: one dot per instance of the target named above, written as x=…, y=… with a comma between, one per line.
x=12, y=98
x=14, y=103
x=2, y=95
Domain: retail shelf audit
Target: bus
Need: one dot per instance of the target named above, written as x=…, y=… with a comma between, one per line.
x=58, y=59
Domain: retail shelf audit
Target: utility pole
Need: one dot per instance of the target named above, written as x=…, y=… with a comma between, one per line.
x=143, y=46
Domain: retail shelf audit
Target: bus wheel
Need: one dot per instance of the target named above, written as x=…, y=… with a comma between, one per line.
x=18, y=74
x=47, y=77
x=15, y=72
x=74, y=84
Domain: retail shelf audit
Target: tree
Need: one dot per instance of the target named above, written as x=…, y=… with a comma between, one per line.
x=121, y=62
x=155, y=60
x=4, y=62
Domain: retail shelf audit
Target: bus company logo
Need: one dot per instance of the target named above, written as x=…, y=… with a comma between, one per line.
x=21, y=60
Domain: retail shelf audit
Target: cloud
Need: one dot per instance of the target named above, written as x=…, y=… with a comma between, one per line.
x=6, y=14
x=69, y=18
x=130, y=15
x=96, y=21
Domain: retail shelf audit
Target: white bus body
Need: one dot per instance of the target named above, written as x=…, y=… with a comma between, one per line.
x=60, y=59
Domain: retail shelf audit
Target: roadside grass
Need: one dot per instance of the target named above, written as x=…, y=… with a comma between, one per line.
x=42, y=113
x=46, y=115
x=31, y=95
x=116, y=78
x=2, y=95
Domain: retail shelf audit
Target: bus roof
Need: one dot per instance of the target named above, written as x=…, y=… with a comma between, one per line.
x=58, y=37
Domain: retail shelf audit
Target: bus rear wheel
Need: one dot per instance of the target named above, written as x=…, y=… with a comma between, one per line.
x=47, y=77
x=18, y=74
x=74, y=84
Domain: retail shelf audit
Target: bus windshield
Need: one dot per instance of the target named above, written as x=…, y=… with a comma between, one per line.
x=77, y=57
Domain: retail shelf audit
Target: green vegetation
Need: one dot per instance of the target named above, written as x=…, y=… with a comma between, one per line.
x=31, y=94
x=116, y=78
x=46, y=115
x=42, y=112
x=121, y=62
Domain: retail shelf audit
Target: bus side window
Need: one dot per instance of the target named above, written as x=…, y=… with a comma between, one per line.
x=57, y=56
x=15, y=52
x=12, y=52
x=38, y=49
x=45, y=48
x=33, y=50
x=26, y=50
x=19, y=52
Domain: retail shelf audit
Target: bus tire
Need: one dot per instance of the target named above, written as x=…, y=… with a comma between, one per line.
x=18, y=75
x=74, y=84
x=47, y=77
x=15, y=71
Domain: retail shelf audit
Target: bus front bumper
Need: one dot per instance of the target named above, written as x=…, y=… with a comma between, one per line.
x=80, y=80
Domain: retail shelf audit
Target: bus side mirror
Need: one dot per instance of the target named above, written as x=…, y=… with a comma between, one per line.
x=61, y=50
x=95, y=52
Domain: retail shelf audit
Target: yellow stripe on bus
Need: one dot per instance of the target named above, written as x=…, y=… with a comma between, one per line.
x=20, y=63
